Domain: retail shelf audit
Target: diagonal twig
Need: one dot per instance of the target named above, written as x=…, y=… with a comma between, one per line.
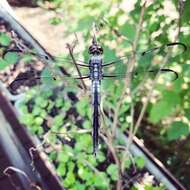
x=143, y=110
x=21, y=172
x=71, y=49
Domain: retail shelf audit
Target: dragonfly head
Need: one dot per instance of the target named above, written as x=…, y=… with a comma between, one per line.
x=95, y=48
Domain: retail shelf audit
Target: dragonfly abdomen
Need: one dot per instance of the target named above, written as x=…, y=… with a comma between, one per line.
x=95, y=103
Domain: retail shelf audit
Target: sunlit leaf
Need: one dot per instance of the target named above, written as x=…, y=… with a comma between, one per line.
x=177, y=130
x=4, y=39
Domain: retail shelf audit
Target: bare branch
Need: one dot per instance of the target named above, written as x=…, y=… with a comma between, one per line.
x=71, y=50
x=149, y=94
x=21, y=172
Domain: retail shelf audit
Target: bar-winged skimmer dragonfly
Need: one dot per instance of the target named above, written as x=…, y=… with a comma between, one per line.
x=96, y=73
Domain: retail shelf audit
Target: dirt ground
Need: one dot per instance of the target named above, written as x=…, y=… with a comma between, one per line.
x=36, y=21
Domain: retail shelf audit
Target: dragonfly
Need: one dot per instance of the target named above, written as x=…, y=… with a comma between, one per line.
x=96, y=65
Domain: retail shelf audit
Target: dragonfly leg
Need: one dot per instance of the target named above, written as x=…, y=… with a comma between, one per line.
x=83, y=77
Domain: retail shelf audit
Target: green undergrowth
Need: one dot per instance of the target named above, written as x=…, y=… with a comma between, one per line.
x=65, y=126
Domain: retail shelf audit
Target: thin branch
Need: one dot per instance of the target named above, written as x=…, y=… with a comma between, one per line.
x=143, y=110
x=127, y=153
x=130, y=66
x=37, y=148
x=71, y=49
x=12, y=168
x=109, y=143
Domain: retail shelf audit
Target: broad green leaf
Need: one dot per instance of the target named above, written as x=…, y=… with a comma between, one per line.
x=4, y=39
x=128, y=30
x=40, y=101
x=55, y=21
x=61, y=170
x=38, y=121
x=70, y=179
x=140, y=162
x=58, y=120
x=159, y=111
x=187, y=113
x=101, y=181
x=11, y=58
x=112, y=170
x=164, y=107
x=154, y=27
x=3, y=64
x=63, y=157
x=177, y=130
x=84, y=173
x=87, y=124
x=36, y=111
x=79, y=186
x=127, y=163
x=101, y=157
x=83, y=106
x=154, y=188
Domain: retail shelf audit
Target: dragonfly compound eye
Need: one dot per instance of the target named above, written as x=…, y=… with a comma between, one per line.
x=95, y=50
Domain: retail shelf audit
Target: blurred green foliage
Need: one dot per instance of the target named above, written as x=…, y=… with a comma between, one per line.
x=10, y=57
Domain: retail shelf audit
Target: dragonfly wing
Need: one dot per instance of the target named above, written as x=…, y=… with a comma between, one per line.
x=146, y=62
x=172, y=75
x=45, y=77
x=43, y=57
x=49, y=72
x=177, y=48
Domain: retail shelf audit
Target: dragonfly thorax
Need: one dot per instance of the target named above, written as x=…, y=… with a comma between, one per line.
x=95, y=65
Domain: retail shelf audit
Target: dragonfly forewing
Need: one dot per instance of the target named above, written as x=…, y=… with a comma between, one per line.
x=144, y=57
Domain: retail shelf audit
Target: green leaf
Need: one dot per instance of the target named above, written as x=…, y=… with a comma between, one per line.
x=55, y=21
x=47, y=77
x=84, y=23
x=79, y=186
x=154, y=27
x=40, y=101
x=11, y=58
x=127, y=163
x=82, y=106
x=159, y=111
x=112, y=170
x=36, y=111
x=70, y=179
x=83, y=142
x=61, y=170
x=187, y=113
x=101, y=181
x=128, y=30
x=59, y=102
x=110, y=54
x=164, y=107
x=4, y=39
x=87, y=124
x=101, y=157
x=177, y=130
x=3, y=64
x=84, y=173
x=63, y=157
x=58, y=120
x=28, y=119
x=38, y=120
x=140, y=162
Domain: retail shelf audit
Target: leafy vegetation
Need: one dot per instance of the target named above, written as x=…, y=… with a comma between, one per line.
x=69, y=121
x=11, y=57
